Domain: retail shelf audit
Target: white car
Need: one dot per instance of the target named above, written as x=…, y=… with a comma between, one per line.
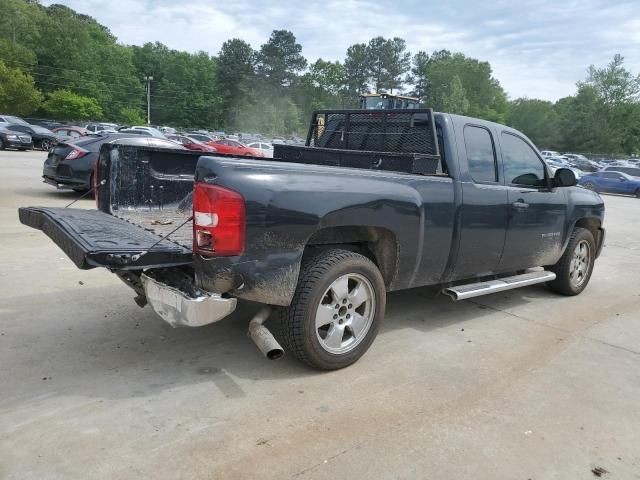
x=153, y=131
x=265, y=148
x=550, y=153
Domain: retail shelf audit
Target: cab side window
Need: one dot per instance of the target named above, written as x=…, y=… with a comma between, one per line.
x=481, y=155
x=521, y=163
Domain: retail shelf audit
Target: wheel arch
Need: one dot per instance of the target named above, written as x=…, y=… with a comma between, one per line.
x=379, y=244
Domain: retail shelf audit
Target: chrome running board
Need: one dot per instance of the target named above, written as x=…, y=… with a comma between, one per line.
x=470, y=290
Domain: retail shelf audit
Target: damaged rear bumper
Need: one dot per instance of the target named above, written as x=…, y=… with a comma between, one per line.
x=178, y=308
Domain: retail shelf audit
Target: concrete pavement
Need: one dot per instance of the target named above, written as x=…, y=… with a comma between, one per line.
x=517, y=385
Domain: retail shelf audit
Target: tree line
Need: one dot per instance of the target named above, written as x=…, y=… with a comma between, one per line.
x=60, y=64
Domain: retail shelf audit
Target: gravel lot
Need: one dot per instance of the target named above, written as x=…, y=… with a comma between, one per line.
x=518, y=385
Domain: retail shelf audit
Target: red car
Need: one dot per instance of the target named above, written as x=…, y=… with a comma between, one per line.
x=236, y=148
x=192, y=143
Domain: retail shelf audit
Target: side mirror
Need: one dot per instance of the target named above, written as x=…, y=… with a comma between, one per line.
x=565, y=177
x=623, y=179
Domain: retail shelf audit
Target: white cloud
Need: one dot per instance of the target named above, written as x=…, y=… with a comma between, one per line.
x=539, y=48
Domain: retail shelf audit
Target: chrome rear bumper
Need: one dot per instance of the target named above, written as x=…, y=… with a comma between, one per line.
x=179, y=309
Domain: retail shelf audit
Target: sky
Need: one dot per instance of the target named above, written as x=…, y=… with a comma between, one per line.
x=537, y=49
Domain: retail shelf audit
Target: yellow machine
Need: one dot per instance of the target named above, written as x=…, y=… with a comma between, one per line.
x=387, y=101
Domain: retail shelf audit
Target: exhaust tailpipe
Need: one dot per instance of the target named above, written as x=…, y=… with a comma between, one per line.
x=262, y=337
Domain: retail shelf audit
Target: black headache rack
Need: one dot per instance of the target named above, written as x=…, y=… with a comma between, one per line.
x=392, y=140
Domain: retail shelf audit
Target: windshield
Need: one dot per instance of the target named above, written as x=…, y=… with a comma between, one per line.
x=16, y=120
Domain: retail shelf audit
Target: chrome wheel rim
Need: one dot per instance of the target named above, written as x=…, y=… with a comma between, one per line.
x=345, y=313
x=580, y=263
x=588, y=186
x=45, y=144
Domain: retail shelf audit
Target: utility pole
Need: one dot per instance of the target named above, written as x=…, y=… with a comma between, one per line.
x=148, y=80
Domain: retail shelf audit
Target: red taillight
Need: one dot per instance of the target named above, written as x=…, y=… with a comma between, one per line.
x=218, y=221
x=77, y=152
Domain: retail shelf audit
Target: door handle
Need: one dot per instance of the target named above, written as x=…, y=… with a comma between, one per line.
x=520, y=204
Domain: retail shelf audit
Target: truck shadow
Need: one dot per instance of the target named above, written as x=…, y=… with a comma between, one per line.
x=101, y=334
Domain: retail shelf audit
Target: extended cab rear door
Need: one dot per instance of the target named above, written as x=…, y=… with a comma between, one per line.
x=483, y=215
x=537, y=213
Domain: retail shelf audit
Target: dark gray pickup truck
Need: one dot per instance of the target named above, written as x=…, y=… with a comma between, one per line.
x=375, y=201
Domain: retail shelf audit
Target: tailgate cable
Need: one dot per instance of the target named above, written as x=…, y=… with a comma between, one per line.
x=102, y=182
x=135, y=258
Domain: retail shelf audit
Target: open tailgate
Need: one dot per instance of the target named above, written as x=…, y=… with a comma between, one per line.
x=92, y=238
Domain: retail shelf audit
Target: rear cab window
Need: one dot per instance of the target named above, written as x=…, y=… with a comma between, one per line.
x=481, y=155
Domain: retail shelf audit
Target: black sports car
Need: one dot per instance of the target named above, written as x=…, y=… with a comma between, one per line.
x=70, y=164
x=9, y=139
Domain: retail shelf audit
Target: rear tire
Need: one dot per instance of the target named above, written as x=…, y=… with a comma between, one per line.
x=638, y=193
x=45, y=145
x=336, y=310
x=2, y=147
x=573, y=270
x=589, y=186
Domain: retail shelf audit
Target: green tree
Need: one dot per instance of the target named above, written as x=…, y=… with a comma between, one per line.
x=537, y=119
x=418, y=74
x=455, y=99
x=614, y=83
x=131, y=116
x=397, y=62
x=66, y=105
x=356, y=67
x=18, y=93
x=280, y=59
x=486, y=97
x=235, y=73
x=377, y=52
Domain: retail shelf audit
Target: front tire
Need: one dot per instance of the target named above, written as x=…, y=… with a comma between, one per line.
x=638, y=193
x=589, y=186
x=573, y=270
x=45, y=145
x=336, y=310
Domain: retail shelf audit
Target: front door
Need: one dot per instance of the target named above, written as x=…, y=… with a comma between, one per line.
x=537, y=213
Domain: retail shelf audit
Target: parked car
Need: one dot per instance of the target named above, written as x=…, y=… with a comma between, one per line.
x=154, y=132
x=70, y=164
x=42, y=138
x=17, y=140
x=236, y=148
x=611, y=182
x=549, y=153
x=633, y=171
x=132, y=131
x=68, y=133
x=12, y=119
x=204, y=138
x=191, y=143
x=102, y=127
x=265, y=148
x=167, y=130
x=43, y=122
x=323, y=243
x=585, y=165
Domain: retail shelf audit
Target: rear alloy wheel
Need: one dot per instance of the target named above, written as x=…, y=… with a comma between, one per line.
x=336, y=310
x=589, y=186
x=574, y=268
x=45, y=145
